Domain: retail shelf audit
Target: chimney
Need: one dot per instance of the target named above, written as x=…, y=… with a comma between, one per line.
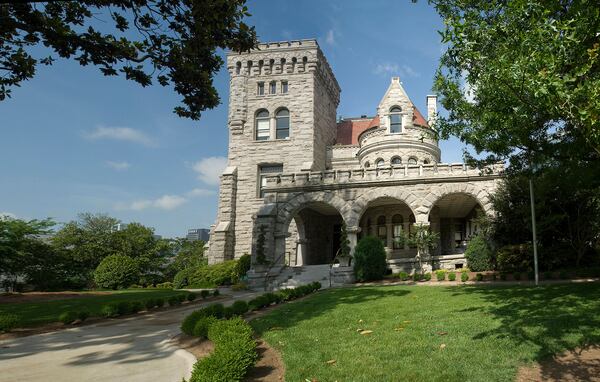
x=431, y=109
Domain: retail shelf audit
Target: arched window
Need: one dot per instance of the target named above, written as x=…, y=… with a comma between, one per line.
x=426, y=161
x=395, y=120
x=379, y=163
x=412, y=161
x=397, y=227
x=396, y=161
x=367, y=164
x=282, y=126
x=263, y=129
x=382, y=229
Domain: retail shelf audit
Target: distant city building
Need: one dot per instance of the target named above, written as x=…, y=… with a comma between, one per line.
x=198, y=234
x=119, y=227
x=157, y=237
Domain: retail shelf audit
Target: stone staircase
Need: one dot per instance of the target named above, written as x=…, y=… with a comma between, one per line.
x=292, y=277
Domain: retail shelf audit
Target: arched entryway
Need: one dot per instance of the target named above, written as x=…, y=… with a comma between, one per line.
x=454, y=216
x=391, y=220
x=314, y=235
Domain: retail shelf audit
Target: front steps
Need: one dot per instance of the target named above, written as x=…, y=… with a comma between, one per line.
x=292, y=277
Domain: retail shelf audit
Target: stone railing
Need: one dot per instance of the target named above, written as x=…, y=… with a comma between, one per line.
x=380, y=174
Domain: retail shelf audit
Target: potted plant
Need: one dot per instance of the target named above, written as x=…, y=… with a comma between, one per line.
x=423, y=239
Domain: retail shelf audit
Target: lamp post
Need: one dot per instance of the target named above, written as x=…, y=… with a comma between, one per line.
x=535, y=256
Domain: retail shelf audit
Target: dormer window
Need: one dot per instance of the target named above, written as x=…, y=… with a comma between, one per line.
x=395, y=120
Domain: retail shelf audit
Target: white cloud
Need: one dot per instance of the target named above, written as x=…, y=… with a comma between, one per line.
x=7, y=215
x=119, y=166
x=169, y=202
x=126, y=134
x=388, y=68
x=209, y=169
x=165, y=202
x=199, y=192
x=330, y=38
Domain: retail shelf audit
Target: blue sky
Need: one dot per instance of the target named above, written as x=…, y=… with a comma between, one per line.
x=72, y=140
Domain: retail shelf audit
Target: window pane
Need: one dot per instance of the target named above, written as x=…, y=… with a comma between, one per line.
x=261, y=88
x=262, y=129
x=282, y=124
x=412, y=161
x=262, y=114
x=395, y=118
x=396, y=160
x=282, y=133
x=283, y=113
x=284, y=87
x=380, y=163
x=273, y=88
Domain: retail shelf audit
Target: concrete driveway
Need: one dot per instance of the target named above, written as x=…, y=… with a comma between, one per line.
x=139, y=348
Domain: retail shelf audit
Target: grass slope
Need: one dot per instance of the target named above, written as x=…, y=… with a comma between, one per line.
x=43, y=312
x=464, y=333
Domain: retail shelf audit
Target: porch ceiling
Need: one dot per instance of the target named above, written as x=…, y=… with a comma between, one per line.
x=456, y=205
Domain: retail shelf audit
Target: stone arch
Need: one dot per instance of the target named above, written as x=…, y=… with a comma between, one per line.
x=361, y=204
x=478, y=192
x=288, y=210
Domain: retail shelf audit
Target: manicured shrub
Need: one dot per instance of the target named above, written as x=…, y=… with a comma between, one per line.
x=464, y=276
x=369, y=259
x=204, y=294
x=182, y=297
x=240, y=307
x=216, y=292
x=479, y=255
x=116, y=271
x=165, y=285
x=451, y=276
x=67, y=317
x=234, y=354
x=514, y=258
x=209, y=276
x=110, y=310
x=239, y=286
x=191, y=296
x=124, y=307
x=228, y=312
x=8, y=322
x=316, y=286
x=160, y=302
x=243, y=265
x=403, y=276
x=261, y=302
x=479, y=277
x=189, y=322
x=417, y=276
x=440, y=275
x=83, y=315
x=174, y=301
x=273, y=299
x=427, y=276
x=215, y=310
x=136, y=306
x=150, y=303
x=202, y=325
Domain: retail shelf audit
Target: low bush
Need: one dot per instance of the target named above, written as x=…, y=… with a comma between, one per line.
x=160, y=302
x=464, y=276
x=8, y=322
x=228, y=312
x=563, y=275
x=417, y=276
x=369, y=259
x=234, y=354
x=440, y=275
x=479, y=255
x=259, y=302
x=503, y=276
x=110, y=310
x=116, y=271
x=124, y=307
x=216, y=292
x=243, y=265
x=150, y=303
x=165, y=285
x=136, y=306
x=403, y=276
x=531, y=275
x=204, y=294
x=209, y=276
x=83, y=315
x=427, y=276
x=239, y=287
x=202, y=325
x=174, y=301
x=215, y=310
x=189, y=322
x=191, y=296
x=548, y=275
x=182, y=278
x=452, y=276
x=240, y=307
x=517, y=276
x=479, y=277
x=67, y=317
x=181, y=297
x=514, y=258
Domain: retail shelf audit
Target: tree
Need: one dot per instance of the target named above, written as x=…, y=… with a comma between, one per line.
x=423, y=239
x=188, y=254
x=116, y=271
x=172, y=42
x=369, y=259
x=521, y=78
x=18, y=242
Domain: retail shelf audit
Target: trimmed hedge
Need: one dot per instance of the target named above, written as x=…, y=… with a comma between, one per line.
x=202, y=325
x=452, y=276
x=68, y=317
x=8, y=322
x=191, y=296
x=116, y=271
x=369, y=259
x=440, y=275
x=240, y=307
x=479, y=255
x=234, y=354
x=464, y=276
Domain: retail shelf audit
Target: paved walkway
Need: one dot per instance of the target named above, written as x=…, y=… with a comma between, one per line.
x=139, y=348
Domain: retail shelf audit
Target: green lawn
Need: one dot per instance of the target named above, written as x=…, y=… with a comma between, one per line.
x=43, y=312
x=462, y=333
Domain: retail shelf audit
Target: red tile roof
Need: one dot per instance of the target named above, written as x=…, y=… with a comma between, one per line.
x=348, y=130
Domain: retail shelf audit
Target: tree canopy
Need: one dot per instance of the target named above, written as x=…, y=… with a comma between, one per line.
x=521, y=78
x=172, y=42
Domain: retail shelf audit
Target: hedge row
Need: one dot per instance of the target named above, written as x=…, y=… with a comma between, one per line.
x=234, y=354
x=122, y=308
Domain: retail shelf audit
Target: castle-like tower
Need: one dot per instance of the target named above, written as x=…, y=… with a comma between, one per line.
x=295, y=174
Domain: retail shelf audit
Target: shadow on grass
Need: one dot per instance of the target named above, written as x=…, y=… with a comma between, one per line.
x=553, y=318
x=320, y=303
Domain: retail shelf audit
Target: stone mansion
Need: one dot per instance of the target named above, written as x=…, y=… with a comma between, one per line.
x=296, y=173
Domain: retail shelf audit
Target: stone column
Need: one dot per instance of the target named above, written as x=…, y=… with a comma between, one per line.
x=406, y=226
x=352, y=237
x=389, y=239
x=273, y=127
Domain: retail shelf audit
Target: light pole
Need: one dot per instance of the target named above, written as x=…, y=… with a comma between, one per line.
x=535, y=257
